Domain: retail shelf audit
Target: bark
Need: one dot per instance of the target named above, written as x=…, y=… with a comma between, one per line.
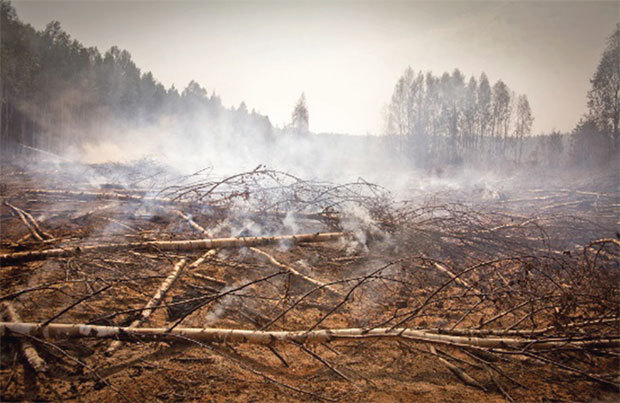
x=202, y=258
x=193, y=223
x=86, y=195
x=30, y=223
x=155, y=301
x=28, y=350
x=172, y=246
x=524, y=333
x=197, y=227
x=456, y=279
x=206, y=335
x=217, y=284
x=291, y=270
x=462, y=375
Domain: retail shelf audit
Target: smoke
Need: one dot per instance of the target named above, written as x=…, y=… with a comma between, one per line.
x=197, y=132
x=308, y=156
x=203, y=142
x=182, y=147
x=359, y=223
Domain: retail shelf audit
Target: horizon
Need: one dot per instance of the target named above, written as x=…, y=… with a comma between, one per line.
x=346, y=68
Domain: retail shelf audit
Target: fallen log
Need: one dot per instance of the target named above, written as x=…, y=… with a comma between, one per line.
x=292, y=270
x=456, y=279
x=206, y=335
x=172, y=246
x=30, y=223
x=458, y=372
x=524, y=333
x=201, y=260
x=197, y=227
x=157, y=298
x=28, y=350
x=87, y=195
x=215, y=283
x=192, y=223
x=90, y=212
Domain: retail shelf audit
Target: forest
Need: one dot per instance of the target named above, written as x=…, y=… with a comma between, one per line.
x=56, y=92
x=452, y=119
x=157, y=245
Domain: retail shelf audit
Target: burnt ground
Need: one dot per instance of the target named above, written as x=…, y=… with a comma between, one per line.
x=532, y=258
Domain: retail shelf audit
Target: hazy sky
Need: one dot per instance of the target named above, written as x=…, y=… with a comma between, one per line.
x=347, y=56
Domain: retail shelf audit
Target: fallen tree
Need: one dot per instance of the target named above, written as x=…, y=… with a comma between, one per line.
x=155, y=301
x=264, y=255
x=89, y=195
x=27, y=348
x=205, y=335
x=174, y=246
x=30, y=223
x=123, y=196
x=291, y=270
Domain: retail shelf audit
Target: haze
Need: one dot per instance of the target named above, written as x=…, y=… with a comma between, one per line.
x=347, y=56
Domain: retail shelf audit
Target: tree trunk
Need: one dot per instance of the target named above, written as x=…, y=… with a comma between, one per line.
x=175, y=246
x=207, y=335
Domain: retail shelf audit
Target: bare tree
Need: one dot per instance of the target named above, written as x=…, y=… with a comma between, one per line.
x=523, y=125
x=436, y=120
x=300, y=117
x=484, y=108
x=470, y=115
x=399, y=111
x=604, y=97
x=501, y=111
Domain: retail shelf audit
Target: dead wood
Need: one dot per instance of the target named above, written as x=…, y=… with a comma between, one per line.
x=260, y=253
x=205, y=335
x=157, y=298
x=292, y=270
x=525, y=284
x=172, y=246
x=192, y=223
x=88, y=195
x=213, y=281
x=98, y=209
x=30, y=223
x=27, y=349
x=461, y=374
x=456, y=279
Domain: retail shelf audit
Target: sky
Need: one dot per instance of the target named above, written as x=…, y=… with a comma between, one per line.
x=347, y=55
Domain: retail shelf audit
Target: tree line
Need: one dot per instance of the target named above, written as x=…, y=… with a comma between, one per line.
x=433, y=120
x=448, y=119
x=596, y=137
x=55, y=91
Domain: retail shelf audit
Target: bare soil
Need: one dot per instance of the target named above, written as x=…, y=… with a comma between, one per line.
x=534, y=254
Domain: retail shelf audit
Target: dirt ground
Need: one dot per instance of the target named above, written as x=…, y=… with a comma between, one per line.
x=528, y=247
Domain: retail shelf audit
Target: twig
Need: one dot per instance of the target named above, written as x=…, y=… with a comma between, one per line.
x=73, y=305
